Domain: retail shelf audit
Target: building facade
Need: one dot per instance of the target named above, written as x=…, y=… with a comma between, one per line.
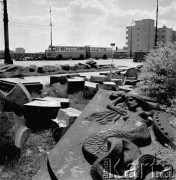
x=140, y=37
x=165, y=34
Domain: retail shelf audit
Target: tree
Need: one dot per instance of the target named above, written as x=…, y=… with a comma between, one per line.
x=158, y=75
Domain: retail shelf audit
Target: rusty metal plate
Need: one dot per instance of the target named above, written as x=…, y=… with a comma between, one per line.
x=165, y=127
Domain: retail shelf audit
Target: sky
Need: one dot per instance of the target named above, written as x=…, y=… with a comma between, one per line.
x=79, y=22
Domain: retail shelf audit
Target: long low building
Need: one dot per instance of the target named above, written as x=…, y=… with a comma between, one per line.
x=20, y=55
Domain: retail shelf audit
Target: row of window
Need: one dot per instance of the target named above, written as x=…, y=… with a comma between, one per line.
x=100, y=49
x=55, y=48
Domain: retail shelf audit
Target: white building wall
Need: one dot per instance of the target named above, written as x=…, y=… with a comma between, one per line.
x=140, y=37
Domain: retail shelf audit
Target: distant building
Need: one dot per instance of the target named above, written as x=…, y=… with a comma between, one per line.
x=20, y=50
x=140, y=37
x=165, y=34
x=173, y=36
x=121, y=53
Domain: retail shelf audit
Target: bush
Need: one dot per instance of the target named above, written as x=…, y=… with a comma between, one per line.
x=158, y=75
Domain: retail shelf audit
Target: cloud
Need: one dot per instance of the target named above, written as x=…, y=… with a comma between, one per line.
x=40, y=2
x=83, y=22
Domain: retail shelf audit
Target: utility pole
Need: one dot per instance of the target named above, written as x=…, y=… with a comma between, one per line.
x=156, y=30
x=131, y=40
x=7, y=59
x=51, y=36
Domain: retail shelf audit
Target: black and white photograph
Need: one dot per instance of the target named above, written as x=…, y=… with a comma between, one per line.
x=87, y=90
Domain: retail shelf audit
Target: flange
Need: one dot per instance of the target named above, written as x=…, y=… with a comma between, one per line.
x=165, y=128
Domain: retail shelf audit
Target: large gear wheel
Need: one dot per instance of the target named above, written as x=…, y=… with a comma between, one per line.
x=165, y=128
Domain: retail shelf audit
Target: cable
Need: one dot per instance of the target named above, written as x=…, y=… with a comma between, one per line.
x=27, y=23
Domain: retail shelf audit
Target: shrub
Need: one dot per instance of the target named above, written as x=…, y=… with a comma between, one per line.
x=158, y=75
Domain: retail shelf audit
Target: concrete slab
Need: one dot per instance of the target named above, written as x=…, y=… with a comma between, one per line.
x=66, y=159
x=126, y=88
x=16, y=99
x=38, y=114
x=62, y=78
x=109, y=85
x=8, y=84
x=98, y=79
x=117, y=81
x=90, y=89
x=75, y=85
x=65, y=118
x=39, y=103
x=64, y=102
x=67, y=115
x=2, y=100
x=91, y=85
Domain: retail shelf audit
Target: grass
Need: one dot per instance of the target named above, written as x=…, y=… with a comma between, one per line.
x=32, y=158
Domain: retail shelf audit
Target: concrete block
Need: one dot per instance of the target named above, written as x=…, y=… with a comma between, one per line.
x=90, y=89
x=126, y=88
x=8, y=84
x=67, y=116
x=64, y=102
x=61, y=78
x=117, y=81
x=21, y=136
x=109, y=85
x=16, y=99
x=74, y=67
x=98, y=79
x=51, y=68
x=10, y=132
x=2, y=101
x=33, y=68
x=38, y=114
x=75, y=85
x=91, y=85
x=65, y=67
x=104, y=73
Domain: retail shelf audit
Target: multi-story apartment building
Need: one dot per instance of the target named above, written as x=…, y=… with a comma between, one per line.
x=165, y=34
x=140, y=37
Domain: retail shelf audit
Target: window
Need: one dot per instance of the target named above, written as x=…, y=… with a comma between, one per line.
x=163, y=36
x=137, y=34
x=138, y=28
x=137, y=39
x=163, y=31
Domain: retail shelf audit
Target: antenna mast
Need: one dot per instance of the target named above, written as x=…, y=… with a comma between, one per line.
x=156, y=30
x=51, y=29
